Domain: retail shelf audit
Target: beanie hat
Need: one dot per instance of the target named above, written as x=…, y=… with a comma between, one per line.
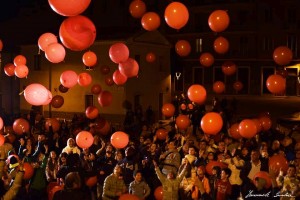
x=13, y=162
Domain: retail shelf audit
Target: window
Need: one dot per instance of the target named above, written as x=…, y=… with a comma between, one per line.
x=268, y=43
x=244, y=46
x=198, y=45
x=198, y=75
x=267, y=71
x=243, y=74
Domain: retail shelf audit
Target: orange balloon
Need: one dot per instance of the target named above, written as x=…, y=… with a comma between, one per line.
x=2, y=139
x=211, y=164
x=129, y=68
x=28, y=171
x=176, y=15
x=218, y=87
x=96, y=89
x=53, y=191
x=276, y=84
x=218, y=20
x=89, y=59
x=238, y=86
x=137, y=8
x=234, y=131
x=119, y=78
x=57, y=101
x=150, y=57
x=10, y=137
x=183, y=122
x=183, y=48
x=84, y=79
x=257, y=124
x=206, y=59
x=84, y=139
x=109, y=80
x=105, y=129
x=9, y=69
x=168, y=110
x=197, y=94
x=69, y=7
x=21, y=71
x=129, y=197
x=68, y=78
x=45, y=40
x=54, y=123
x=190, y=106
x=279, y=162
x=119, y=139
x=211, y=123
x=282, y=55
x=247, y=128
x=91, y=112
x=55, y=52
x=229, y=68
x=150, y=21
x=266, y=123
x=118, y=52
x=105, y=69
x=221, y=45
x=20, y=60
x=263, y=175
x=183, y=106
x=158, y=193
x=77, y=33
x=161, y=133
x=105, y=98
x=21, y=126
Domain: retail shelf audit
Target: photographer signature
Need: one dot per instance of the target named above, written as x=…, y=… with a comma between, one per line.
x=268, y=194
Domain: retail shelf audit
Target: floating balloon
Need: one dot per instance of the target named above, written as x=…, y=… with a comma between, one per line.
x=211, y=123
x=49, y=99
x=129, y=68
x=150, y=21
x=234, y=131
x=105, y=129
x=45, y=40
x=176, y=15
x=105, y=69
x=119, y=78
x=28, y=171
x=229, y=68
x=218, y=20
x=68, y=78
x=84, y=139
x=1, y=123
x=21, y=71
x=278, y=162
x=206, y=59
x=84, y=79
x=168, y=110
x=182, y=122
x=238, y=86
x=54, y=190
x=63, y=89
x=96, y=89
x=266, y=123
x=247, y=128
x=1, y=45
x=105, y=98
x=54, y=123
x=36, y=94
x=150, y=57
x=69, y=8
x=282, y=55
x=21, y=126
x=257, y=124
x=221, y=45
x=119, y=139
x=20, y=60
x=183, y=106
x=9, y=69
x=91, y=112
x=91, y=181
x=57, y=101
x=89, y=59
x=55, y=53
x=161, y=133
x=2, y=140
x=137, y=8
x=276, y=84
x=211, y=164
x=129, y=197
x=218, y=87
x=109, y=80
x=183, y=48
x=118, y=52
x=264, y=175
x=77, y=33
x=197, y=94
x=159, y=193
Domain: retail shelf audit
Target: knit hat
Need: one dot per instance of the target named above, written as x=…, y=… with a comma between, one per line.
x=13, y=162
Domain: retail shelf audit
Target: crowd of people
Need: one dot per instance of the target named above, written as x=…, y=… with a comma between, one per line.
x=186, y=165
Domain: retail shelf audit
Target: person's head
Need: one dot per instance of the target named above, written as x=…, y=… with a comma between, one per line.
x=152, y=147
x=245, y=151
x=192, y=150
x=260, y=183
x=53, y=154
x=117, y=170
x=216, y=170
x=221, y=146
x=203, y=145
x=41, y=137
x=210, y=156
x=291, y=172
x=225, y=173
x=129, y=152
x=137, y=175
x=200, y=171
x=119, y=155
x=171, y=145
x=72, y=181
x=109, y=147
x=275, y=145
x=254, y=155
x=63, y=158
x=71, y=142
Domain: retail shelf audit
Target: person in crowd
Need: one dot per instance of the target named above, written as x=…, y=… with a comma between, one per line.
x=52, y=167
x=213, y=178
x=223, y=186
x=139, y=187
x=201, y=188
x=71, y=147
x=170, y=159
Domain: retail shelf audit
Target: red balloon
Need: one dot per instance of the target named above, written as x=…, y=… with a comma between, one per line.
x=183, y=48
x=190, y=106
x=84, y=139
x=54, y=123
x=28, y=171
x=105, y=98
x=137, y=8
x=49, y=99
x=84, y=79
x=89, y=59
x=96, y=89
x=168, y=110
x=182, y=122
x=266, y=123
x=247, y=128
x=53, y=191
x=129, y=68
x=161, y=134
x=234, y=131
x=2, y=140
x=45, y=40
x=183, y=106
x=158, y=193
x=263, y=175
x=150, y=57
x=276, y=84
x=10, y=137
x=197, y=94
x=176, y=15
x=63, y=89
x=206, y=59
x=21, y=126
x=21, y=71
x=150, y=21
x=77, y=33
x=36, y=94
x=257, y=124
x=9, y=69
x=55, y=53
x=129, y=197
x=1, y=123
x=118, y=52
x=51, y=185
x=20, y=60
x=279, y=162
x=57, y=101
x=282, y=55
x=119, y=139
x=105, y=69
x=91, y=112
x=109, y=80
x=229, y=68
x=221, y=45
x=91, y=181
x=68, y=78
x=105, y=129
x=119, y=78
x=211, y=164
x=211, y=123
x=1, y=45
x=218, y=20
x=238, y=86
x=218, y=87
x=69, y=7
